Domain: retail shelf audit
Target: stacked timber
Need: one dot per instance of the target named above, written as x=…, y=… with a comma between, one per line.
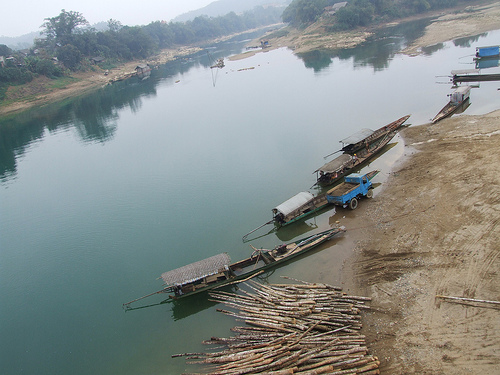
x=290, y=329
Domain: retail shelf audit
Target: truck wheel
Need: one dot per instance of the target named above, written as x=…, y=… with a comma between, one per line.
x=369, y=193
x=353, y=204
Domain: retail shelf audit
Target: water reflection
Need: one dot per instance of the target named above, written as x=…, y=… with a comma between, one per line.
x=487, y=63
x=467, y=42
x=377, y=51
x=94, y=116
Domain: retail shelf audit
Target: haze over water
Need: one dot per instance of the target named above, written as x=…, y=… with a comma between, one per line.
x=101, y=194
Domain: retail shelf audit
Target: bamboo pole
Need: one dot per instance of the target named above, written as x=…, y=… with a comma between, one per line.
x=470, y=301
x=291, y=328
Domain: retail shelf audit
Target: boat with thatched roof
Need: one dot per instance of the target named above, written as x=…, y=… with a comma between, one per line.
x=217, y=271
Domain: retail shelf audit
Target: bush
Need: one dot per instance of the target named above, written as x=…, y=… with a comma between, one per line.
x=15, y=75
x=48, y=68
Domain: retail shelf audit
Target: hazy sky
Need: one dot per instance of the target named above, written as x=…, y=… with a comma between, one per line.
x=20, y=17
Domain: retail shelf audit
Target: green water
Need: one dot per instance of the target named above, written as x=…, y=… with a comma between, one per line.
x=100, y=195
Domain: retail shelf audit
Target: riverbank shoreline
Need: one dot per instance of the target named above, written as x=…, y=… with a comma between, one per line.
x=39, y=92
x=431, y=232
x=467, y=20
x=447, y=25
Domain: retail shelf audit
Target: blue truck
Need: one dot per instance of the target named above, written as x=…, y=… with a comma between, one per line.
x=354, y=187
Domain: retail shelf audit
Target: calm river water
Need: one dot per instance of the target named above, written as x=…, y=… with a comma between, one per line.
x=101, y=194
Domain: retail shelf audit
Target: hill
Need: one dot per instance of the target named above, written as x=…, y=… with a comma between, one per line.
x=222, y=7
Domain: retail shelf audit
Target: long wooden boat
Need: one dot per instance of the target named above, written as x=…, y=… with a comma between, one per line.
x=366, y=137
x=346, y=164
x=458, y=98
x=217, y=271
x=458, y=77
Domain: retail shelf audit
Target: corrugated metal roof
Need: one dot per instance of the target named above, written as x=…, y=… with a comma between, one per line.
x=294, y=202
x=463, y=89
x=197, y=270
x=357, y=137
x=336, y=164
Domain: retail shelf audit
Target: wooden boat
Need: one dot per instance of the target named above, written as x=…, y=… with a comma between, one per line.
x=458, y=98
x=346, y=164
x=365, y=137
x=217, y=271
x=489, y=52
x=472, y=75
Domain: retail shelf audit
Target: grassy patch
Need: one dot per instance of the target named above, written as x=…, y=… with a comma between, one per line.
x=62, y=83
x=278, y=34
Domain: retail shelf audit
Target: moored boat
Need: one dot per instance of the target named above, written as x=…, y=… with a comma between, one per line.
x=217, y=271
x=458, y=98
x=358, y=149
x=346, y=164
x=365, y=137
x=488, y=52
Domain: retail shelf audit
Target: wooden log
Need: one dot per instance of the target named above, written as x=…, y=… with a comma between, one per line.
x=279, y=327
x=320, y=370
x=471, y=301
x=371, y=366
x=288, y=371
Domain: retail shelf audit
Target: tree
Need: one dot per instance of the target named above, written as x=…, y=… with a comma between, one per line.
x=70, y=56
x=4, y=50
x=114, y=25
x=59, y=30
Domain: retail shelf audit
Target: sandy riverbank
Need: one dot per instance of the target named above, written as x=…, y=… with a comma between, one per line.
x=433, y=230
x=470, y=19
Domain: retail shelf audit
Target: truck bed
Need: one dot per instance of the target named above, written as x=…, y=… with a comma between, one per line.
x=343, y=189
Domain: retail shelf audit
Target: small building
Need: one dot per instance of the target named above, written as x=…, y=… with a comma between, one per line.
x=331, y=10
x=96, y=60
x=143, y=70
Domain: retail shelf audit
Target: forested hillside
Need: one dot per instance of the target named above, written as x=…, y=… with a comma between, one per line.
x=69, y=44
x=355, y=13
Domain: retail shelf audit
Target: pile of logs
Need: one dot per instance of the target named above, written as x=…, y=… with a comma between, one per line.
x=291, y=329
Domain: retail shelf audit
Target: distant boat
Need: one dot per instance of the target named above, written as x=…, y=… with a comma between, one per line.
x=472, y=75
x=217, y=271
x=219, y=64
x=487, y=52
x=458, y=99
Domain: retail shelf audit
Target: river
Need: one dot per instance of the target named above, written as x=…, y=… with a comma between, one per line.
x=101, y=194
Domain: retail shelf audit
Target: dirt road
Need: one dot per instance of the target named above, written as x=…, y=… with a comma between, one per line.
x=433, y=230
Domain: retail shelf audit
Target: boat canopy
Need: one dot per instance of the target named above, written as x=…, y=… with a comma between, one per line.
x=464, y=71
x=336, y=164
x=197, y=270
x=293, y=203
x=460, y=94
x=357, y=137
x=487, y=51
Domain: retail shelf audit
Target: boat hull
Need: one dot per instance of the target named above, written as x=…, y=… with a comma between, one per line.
x=362, y=158
x=449, y=109
x=248, y=268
